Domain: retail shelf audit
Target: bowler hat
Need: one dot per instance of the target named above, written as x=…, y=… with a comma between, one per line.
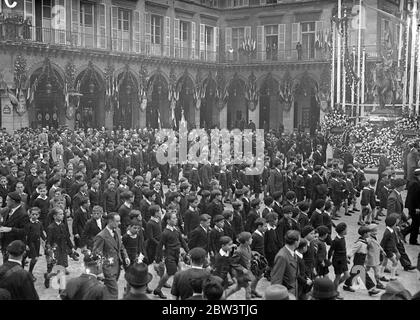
x=324, y=289
x=277, y=292
x=16, y=248
x=15, y=196
x=138, y=275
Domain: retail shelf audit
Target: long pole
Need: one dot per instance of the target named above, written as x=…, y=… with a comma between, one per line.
x=405, y=84
x=400, y=39
x=413, y=57
x=353, y=54
x=344, y=65
x=339, y=54
x=362, y=84
x=359, y=48
x=418, y=75
x=333, y=67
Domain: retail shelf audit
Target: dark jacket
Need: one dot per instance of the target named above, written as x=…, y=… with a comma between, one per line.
x=17, y=222
x=285, y=270
x=17, y=281
x=199, y=238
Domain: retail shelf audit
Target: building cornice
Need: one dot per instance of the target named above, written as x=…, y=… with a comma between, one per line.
x=208, y=16
x=184, y=11
x=157, y=4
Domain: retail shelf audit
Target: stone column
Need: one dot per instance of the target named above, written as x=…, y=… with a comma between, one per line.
x=324, y=105
x=109, y=119
x=288, y=119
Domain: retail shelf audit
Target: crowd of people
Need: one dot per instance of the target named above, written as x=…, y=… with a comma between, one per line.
x=212, y=228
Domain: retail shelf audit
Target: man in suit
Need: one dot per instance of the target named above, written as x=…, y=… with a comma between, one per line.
x=94, y=225
x=81, y=217
x=14, y=221
x=317, y=156
x=285, y=269
x=276, y=180
x=108, y=245
x=395, y=203
x=199, y=237
x=412, y=203
x=412, y=162
x=319, y=187
x=17, y=281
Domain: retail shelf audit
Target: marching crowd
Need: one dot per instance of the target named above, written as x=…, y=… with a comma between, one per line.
x=103, y=194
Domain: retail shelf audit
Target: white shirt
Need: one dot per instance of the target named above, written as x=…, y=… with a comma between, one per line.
x=221, y=252
x=291, y=251
x=12, y=211
x=17, y=261
x=270, y=227
x=390, y=229
x=258, y=232
x=99, y=223
x=127, y=204
x=203, y=228
x=110, y=231
x=299, y=254
x=170, y=228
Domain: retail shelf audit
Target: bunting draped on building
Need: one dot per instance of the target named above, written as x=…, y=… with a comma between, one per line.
x=142, y=90
x=251, y=93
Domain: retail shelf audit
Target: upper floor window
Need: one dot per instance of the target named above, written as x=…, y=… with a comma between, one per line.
x=156, y=25
x=308, y=39
x=121, y=22
x=238, y=37
x=271, y=42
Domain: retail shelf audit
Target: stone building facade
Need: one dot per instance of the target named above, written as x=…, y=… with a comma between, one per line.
x=125, y=63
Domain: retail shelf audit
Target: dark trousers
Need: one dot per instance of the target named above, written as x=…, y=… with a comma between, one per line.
x=111, y=283
x=404, y=259
x=414, y=227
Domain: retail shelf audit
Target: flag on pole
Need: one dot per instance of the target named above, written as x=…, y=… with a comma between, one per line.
x=159, y=124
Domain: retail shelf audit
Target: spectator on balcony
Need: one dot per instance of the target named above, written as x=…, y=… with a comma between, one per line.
x=299, y=50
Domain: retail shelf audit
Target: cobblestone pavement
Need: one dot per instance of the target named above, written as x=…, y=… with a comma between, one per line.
x=409, y=279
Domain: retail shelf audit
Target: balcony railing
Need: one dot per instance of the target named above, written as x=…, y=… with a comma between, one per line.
x=21, y=32
x=90, y=40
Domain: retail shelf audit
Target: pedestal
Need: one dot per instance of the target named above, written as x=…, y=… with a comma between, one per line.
x=288, y=119
x=197, y=118
x=70, y=123
x=109, y=119
x=142, y=120
x=223, y=118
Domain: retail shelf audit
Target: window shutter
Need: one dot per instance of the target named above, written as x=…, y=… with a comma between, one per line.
x=295, y=38
x=167, y=41
x=281, y=42
x=29, y=12
x=177, y=43
x=147, y=32
x=114, y=28
x=216, y=43
x=102, y=38
x=75, y=22
x=247, y=33
x=263, y=2
x=260, y=43
x=228, y=43
x=202, y=42
x=193, y=40
x=136, y=31
x=246, y=3
x=59, y=10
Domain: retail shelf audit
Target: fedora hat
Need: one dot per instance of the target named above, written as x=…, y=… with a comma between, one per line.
x=324, y=289
x=138, y=275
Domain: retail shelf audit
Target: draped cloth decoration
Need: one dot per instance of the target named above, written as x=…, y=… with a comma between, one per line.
x=222, y=93
x=20, y=76
x=110, y=88
x=251, y=94
x=199, y=92
x=287, y=91
x=142, y=91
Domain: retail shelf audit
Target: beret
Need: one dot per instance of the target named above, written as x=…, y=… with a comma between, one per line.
x=218, y=218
